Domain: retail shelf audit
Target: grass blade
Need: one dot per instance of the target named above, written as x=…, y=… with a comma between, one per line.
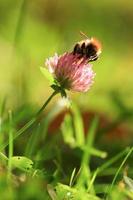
x=10, y=154
x=85, y=176
x=113, y=160
x=78, y=125
x=119, y=169
x=72, y=177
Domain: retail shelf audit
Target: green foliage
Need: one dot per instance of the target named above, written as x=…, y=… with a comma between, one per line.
x=47, y=74
x=73, y=133
x=59, y=183
x=21, y=162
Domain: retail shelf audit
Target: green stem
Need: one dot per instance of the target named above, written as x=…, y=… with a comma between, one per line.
x=10, y=153
x=45, y=104
x=3, y=157
x=31, y=122
x=20, y=22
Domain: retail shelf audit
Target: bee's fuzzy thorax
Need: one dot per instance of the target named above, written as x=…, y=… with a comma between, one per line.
x=96, y=43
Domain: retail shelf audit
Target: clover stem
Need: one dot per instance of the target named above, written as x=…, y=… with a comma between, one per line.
x=31, y=122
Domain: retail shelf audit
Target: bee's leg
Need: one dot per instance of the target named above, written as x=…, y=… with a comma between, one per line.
x=93, y=58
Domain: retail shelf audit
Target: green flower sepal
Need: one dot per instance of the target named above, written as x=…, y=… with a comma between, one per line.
x=59, y=89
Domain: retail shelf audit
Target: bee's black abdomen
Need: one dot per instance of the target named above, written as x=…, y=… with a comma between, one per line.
x=77, y=49
x=80, y=49
x=83, y=45
x=83, y=49
x=86, y=49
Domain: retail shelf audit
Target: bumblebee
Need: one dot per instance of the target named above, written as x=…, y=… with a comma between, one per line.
x=90, y=47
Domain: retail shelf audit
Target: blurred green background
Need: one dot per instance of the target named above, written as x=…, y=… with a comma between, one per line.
x=31, y=31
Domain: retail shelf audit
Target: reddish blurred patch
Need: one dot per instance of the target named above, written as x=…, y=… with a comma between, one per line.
x=112, y=131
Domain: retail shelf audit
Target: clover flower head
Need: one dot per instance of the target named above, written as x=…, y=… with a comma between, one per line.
x=71, y=71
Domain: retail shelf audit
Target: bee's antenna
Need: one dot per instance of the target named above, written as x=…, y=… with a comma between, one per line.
x=83, y=34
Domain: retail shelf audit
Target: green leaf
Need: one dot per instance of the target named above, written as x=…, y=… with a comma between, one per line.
x=129, y=182
x=63, y=93
x=90, y=140
x=21, y=162
x=78, y=125
x=68, y=193
x=68, y=132
x=47, y=74
x=72, y=177
x=51, y=192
